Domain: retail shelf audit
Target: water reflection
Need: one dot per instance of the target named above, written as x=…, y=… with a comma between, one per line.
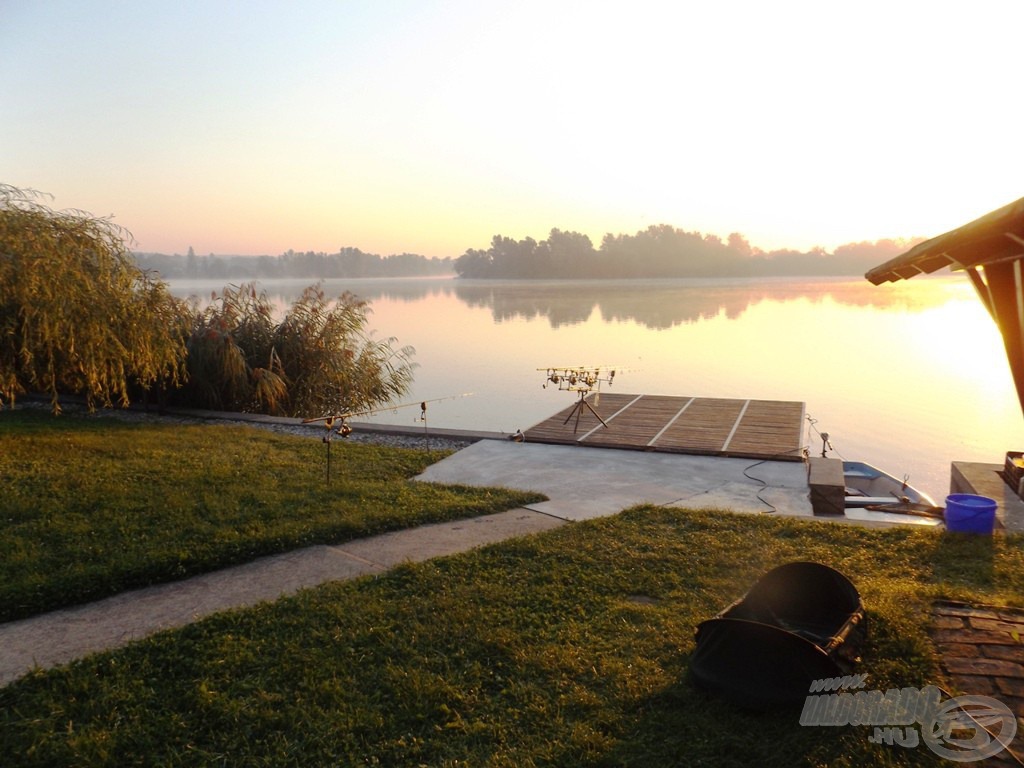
x=664, y=304
x=654, y=304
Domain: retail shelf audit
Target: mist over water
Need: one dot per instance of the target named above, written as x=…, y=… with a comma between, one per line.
x=909, y=376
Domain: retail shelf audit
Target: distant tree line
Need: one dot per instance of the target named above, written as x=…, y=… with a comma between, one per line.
x=347, y=262
x=663, y=251
x=658, y=251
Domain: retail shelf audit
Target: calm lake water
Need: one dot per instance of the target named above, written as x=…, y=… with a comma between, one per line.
x=908, y=376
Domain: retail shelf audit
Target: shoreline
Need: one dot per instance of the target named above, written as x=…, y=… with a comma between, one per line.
x=374, y=434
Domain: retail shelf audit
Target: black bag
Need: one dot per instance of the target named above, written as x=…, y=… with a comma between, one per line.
x=799, y=623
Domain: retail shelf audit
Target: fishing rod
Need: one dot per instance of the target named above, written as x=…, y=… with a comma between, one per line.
x=337, y=423
x=576, y=378
x=582, y=379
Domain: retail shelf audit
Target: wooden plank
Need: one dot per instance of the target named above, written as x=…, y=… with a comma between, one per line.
x=562, y=427
x=770, y=428
x=609, y=419
x=765, y=429
x=635, y=426
x=671, y=421
x=735, y=426
x=703, y=427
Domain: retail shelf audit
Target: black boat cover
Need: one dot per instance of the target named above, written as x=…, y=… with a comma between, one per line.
x=799, y=623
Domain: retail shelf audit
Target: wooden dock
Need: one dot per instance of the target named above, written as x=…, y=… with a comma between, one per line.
x=761, y=429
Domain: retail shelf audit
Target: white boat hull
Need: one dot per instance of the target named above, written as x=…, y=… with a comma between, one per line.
x=872, y=494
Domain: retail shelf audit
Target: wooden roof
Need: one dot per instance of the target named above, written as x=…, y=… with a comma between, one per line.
x=991, y=250
x=995, y=237
x=762, y=429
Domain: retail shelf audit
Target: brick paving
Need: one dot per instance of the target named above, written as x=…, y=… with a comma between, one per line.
x=982, y=653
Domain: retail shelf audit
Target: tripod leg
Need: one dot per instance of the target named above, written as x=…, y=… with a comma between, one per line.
x=596, y=414
x=573, y=412
x=577, y=411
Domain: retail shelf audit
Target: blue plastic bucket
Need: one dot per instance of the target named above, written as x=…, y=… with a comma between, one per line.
x=967, y=513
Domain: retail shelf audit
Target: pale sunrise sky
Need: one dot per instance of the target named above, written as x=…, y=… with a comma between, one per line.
x=429, y=127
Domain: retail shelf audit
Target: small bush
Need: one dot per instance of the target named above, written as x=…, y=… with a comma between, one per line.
x=319, y=359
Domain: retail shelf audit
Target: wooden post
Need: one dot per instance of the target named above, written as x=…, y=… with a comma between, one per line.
x=1000, y=286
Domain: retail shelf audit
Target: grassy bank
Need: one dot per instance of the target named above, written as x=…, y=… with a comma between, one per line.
x=564, y=649
x=93, y=506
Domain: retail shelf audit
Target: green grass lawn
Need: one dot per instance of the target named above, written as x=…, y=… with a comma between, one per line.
x=568, y=648
x=92, y=506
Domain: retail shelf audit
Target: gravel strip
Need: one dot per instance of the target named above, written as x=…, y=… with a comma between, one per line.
x=430, y=442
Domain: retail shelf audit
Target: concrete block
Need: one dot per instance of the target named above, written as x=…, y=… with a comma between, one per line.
x=828, y=486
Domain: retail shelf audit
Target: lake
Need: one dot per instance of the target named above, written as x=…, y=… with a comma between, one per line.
x=908, y=376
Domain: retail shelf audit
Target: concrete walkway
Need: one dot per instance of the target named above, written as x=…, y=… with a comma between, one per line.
x=62, y=636
x=580, y=483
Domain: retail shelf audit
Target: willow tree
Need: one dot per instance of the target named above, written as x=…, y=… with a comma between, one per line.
x=77, y=315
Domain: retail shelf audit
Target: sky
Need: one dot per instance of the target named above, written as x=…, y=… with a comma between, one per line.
x=429, y=127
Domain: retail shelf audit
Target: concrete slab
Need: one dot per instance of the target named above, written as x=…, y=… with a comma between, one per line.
x=986, y=480
x=583, y=483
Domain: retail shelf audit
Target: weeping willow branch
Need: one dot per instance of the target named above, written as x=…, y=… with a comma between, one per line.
x=77, y=315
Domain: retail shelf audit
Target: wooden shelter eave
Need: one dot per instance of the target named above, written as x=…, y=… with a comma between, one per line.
x=991, y=250
x=994, y=237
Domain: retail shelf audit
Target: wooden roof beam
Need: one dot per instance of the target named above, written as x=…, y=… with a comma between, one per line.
x=991, y=250
x=1004, y=298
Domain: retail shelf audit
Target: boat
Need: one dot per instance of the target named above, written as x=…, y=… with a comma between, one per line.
x=867, y=486
x=872, y=494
